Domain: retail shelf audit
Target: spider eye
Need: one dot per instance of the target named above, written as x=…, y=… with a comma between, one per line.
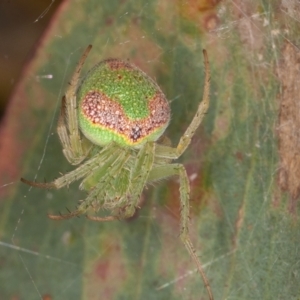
x=119, y=102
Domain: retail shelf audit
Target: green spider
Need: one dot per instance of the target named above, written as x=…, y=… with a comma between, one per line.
x=111, y=127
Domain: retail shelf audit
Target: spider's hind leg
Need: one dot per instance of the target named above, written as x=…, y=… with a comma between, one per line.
x=75, y=146
x=67, y=126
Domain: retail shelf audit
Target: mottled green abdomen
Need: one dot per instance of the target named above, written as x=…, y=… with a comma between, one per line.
x=119, y=102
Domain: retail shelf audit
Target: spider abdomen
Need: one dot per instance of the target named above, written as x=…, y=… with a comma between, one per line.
x=119, y=102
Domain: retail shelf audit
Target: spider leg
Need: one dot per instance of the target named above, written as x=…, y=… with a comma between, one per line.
x=42, y=185
x=168, y=170
x=174, y=153
x=84, y=169
x=119, y=217
x=70, y=215
x=110, y=166
x=64, y=137
x=80, y=210
x=138, y=177
x=103, y=219
x=67, y=127
x=115, y=161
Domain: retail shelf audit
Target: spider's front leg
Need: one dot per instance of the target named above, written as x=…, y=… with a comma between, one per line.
x=67, y=126
x=111, y=157
x=168, y=170
x=139, y=176
x=86, y=168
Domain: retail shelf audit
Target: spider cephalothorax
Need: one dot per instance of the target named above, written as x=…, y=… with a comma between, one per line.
x=111, y=128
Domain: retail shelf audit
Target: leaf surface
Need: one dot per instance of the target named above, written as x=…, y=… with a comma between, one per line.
x=244, y=224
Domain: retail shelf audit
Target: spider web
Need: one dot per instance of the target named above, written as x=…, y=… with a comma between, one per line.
x=244, y=228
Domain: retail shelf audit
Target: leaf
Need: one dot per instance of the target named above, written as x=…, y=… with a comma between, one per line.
x=244, y=225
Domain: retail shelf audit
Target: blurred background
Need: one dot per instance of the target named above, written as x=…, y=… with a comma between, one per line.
x=245, y=215
x=21, y=25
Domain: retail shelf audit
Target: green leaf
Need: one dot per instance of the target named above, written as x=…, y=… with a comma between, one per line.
x=244, y=220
